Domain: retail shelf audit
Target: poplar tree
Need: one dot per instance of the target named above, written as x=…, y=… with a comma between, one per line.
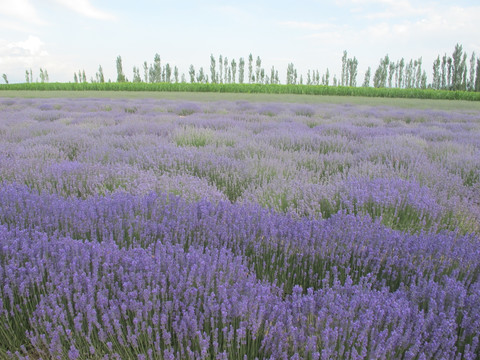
x=366, y=81
x=449, y=73
x=213, y=70
x=168, y=73
x=191, y=72
x=120, y=74
x=27, y=77
x=423, y=82
x=414, y=73
x=477, y=79
x=471, y=81
x=409, y=82
x=258, y=64
x=343, y=80
x=201, y=76
x=4, y=76
x=464, y=72
x=290, y=74
x=380, y=77
x=156, y=73
x=75, y=78
x=418, y=75
x=136, y=75
x=99, y=75
x=346, y=76
x=457, y=70
x=241, y=70
x=436, y=82
x=233, y=65
x=352, y=69
x=145, y=71
x=175, y=74
x=401, y=68
x=151, y=74
x=349, y=71
x=444, y=72
x=391, y=72
x=220, y=67
x=225, y=70
x=250, y=68
x=396, y=74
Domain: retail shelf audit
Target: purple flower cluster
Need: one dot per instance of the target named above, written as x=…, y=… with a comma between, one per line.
x=162, y=276
x=156, y=229
x=400, y=203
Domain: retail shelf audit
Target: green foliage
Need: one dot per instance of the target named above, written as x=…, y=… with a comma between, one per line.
x=131, y=110
x=213, y=72
x=120, y=74
x=99, y=75
x=252, y=88
x=194, y=137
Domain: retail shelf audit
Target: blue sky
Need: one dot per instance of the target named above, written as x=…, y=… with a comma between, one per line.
x=64, y=36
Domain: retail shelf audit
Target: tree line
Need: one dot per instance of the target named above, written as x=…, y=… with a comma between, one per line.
x=456, y=72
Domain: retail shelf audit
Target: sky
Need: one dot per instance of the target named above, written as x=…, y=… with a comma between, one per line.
x=64, y=36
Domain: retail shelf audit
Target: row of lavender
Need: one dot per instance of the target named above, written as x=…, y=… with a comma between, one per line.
x=416, y=169
x=370, y=248
x=160, y=277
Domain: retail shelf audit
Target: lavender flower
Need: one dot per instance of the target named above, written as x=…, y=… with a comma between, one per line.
x=241, y=231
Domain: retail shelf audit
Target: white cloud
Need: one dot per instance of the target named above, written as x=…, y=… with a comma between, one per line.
x=85, y=8
x=380, y=27
x=33, y=46
x=399, y=23
x=27, y=53
x=31, y=53
x=435, y=25
x=21, y=10
x=388, y=9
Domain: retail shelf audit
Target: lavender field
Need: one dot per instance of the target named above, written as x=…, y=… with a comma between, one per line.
x=165, y=229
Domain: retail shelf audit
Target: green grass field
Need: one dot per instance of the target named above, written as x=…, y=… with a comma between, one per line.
x=410, y=93
x=287, y=98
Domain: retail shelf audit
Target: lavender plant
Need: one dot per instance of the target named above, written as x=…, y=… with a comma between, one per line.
x=236, y=230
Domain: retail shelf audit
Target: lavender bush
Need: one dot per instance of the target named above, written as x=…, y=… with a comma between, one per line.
x=154, y=229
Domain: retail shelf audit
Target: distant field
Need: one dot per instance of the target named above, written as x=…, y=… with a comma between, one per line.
x=319, y=90
x=287, y=98
x=238, y=226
